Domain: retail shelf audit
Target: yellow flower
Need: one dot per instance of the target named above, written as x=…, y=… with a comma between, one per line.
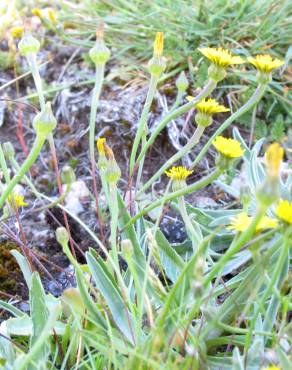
x=209, y=106
x=16, y=32
x=37, y=12
x=178, y=173
x=158, y=44
x=221, y=57
x=272, y=368
x=228, y=147
x=265, y=63
x=242, y=221
x=274, y=156
x=284, y=211
x=239, y=222
x=52, y=16
x=17, y=199
x=100, y=145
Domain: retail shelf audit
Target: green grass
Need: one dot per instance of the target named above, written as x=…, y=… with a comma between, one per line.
x=247, y=27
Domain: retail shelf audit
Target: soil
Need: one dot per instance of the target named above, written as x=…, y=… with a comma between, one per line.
x=119, y=110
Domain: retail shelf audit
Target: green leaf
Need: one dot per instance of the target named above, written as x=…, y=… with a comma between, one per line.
x=112, y=296
x=39, y=315
x=24, y=266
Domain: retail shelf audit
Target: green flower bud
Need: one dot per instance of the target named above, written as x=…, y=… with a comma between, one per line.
x=157, y=65
x=203, y=119
x=223, y=162
x=8, y=150
x=62, y=236
x=182, y=82
x=45, y=122
x=178, y=184
x=112, y=172
x=216, y=73
x=269, y=192
x=28, y=44
x=99, y=54
x=68, y=175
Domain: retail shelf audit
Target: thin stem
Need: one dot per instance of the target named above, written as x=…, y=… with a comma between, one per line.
x=32, y=157
x=210, y=86
x=37, y=79
x=192, y=233
x=259, y=92
x=114, y=219
x=190, y=145
x=187, y=190
x=99, y=76
x=3, y=165
x=142, y=124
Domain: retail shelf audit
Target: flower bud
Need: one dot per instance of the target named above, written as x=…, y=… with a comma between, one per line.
x=99, y=54
x=182, y=82
x=62, y=236
x=113, y=172
x=68, y=175
x=28, y=45
x=8, y=150
x=45, y=122
x=157, y=64
x=245, y=196
x=216, y=73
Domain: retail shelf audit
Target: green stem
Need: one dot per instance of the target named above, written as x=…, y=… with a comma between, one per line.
x=99, y=76
x=37, y=79
x=3, y=165
x=142, y=124
x=190, y=144
x=32, y=157
x=114, y=219
x=193, y=234
x=187, y=190
x=210, y=86
x=277, y=272
x=259, y=92
x=235, y=247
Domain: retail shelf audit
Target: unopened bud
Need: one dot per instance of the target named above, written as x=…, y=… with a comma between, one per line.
x=28, y=44
x=182, y=82
x=68, y=175
x=45, y=122
x=157, y=66
x=8, y=150
x=62, y=236
x=99, y=54
x=113, y=172
x=245, y=196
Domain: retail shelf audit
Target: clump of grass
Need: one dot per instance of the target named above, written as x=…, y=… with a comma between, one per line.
x=219, y=300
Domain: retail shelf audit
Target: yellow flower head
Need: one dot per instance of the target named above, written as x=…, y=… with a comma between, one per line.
x=274, y=157
x=158, y=44
x=228, y=147
x=209, y=106
x=265, y=63
x=37, y=12
x=17, y=199
x=100, y=145
x=178, y=173
x=242, y=221
x=221, y=57
x=272, y=368
x=284, y=211
x=16, y=32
